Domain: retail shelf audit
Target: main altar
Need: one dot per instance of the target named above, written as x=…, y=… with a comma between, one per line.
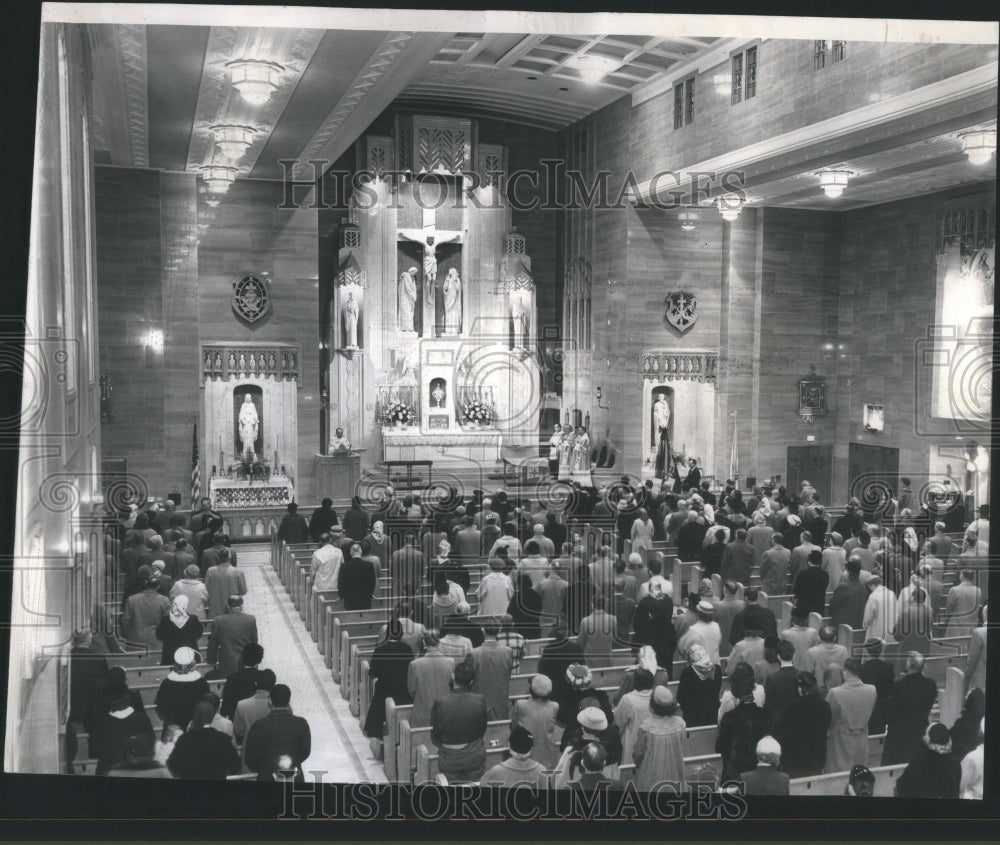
x=432, y=312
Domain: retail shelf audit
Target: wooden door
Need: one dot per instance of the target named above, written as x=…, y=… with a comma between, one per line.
x=873, y=476
x=810, y=463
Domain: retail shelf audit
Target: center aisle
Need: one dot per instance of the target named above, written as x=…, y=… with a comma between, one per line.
x=339, y=748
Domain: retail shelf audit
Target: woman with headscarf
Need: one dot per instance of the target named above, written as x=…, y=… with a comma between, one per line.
x=119, y=720
x=378, y=543
x=647, y=660
x=652, y=625
x=699, y=688
x=659, y=746
x=526, y=609
x=729, y=700
x=178, y=629
x=933, y=772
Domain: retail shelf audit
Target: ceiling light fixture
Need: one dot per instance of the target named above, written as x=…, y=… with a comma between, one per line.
x=255, y=79
x=833, y=182
x=730, y=206
x=979, y=146
x=218, y=177
x=688, y=220
x=233, y=140
x=593, y=68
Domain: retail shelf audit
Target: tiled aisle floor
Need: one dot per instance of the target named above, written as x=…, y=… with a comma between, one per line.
x=338, y=746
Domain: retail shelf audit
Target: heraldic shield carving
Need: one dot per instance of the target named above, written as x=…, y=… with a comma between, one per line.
x=682, y=310
x=251, y=299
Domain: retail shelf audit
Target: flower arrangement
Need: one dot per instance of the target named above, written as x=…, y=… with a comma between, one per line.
x=247, y=466
x=479, y=412
x=398, y=412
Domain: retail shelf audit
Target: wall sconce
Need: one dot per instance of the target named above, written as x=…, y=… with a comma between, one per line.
x=729, y=207
x=599, y=395
x=688, y=220
x=980, y=145
x=152, y=342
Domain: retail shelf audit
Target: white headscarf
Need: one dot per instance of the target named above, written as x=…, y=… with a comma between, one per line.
x=378, y=531
x=178, y=610
x=647, y=659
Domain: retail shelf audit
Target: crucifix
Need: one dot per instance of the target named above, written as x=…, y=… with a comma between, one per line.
x=430, y=238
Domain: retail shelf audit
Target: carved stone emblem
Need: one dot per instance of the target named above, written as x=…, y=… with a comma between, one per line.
x=251, y=299
x=682, y=310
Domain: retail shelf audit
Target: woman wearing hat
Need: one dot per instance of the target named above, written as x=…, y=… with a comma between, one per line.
x=705, y=631
x=178, y=629
x=659, y=746
x=933, y=772
x=537, y=714
x=180, y=691
x=194, y=589
x=699, y=688
x=592, y=725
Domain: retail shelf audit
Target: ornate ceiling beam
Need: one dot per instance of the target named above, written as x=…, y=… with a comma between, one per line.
x=121, y=102
x=398, y=59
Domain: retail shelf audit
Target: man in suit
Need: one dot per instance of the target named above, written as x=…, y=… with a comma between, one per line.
x=907, y=712
x=623, y=606
x=766, y=779
x=407, y=566
x=851, y=706
x=781, y=687
x=211, y=556
x=355, y=521
x=243, y=682
x=256, y=707
x=847, y=604
x=293, y=528
x=231, y=633
x=428, y=678
x=754, y=617
x=598, y=633
x=738, y=559
x=820, y=657
x=458, y=725
x=800, y=556
x=87, y=666
x=801, y=636
x=810, y=585
x=692, y=481
x=880, y=674
x=356, y=581
x=468, y=542
x=975, y=667
x=322, y=520
x=493, y=664
x=726, y=612
x=221, y=582
x=280, y=732
x=774, y=566
x=201, y=517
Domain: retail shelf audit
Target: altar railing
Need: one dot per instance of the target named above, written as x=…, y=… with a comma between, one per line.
x=233, y=493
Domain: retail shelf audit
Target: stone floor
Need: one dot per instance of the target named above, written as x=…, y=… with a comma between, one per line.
x=339, y=749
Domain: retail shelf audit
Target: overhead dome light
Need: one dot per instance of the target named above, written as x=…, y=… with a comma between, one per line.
x=218, y=177
x=593, y=68
x=233, y=141
x=688, y=220
x=833, y=182
x=255, y=79
x=980, y=146
x=730, y=206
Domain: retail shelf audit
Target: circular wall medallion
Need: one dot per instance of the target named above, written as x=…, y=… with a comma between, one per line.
x=251, y=299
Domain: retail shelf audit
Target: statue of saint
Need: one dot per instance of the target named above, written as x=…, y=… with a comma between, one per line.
x=407, y=299
x=452, y=290
x=661, y=412
x=351, y=314
x=661, y=423
x=520, y=312
x=249, y=423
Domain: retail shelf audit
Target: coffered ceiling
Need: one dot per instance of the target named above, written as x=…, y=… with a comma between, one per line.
x=158, y=90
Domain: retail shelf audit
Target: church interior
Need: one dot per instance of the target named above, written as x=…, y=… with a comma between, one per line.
x=274, y=264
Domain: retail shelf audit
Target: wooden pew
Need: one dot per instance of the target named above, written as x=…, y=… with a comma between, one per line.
x=836, y=784
x=410, y=739
x=952, y=698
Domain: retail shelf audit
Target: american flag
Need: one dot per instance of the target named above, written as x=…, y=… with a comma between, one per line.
x=195, y=470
